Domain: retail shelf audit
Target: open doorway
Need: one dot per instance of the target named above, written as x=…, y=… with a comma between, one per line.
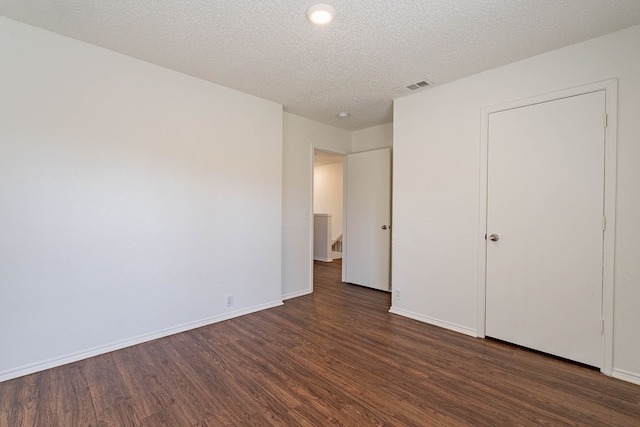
x=361, y=225
x=328, y=205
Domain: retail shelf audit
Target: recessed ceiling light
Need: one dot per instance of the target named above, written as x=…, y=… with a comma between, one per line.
x=343, y=115
x=321, y=14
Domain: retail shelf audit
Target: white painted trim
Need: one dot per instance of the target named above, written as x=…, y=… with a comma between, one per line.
x=297, y=294
x=436, y=322
x=482, y=225
x=623, y=375
x=317, y=258
x=345, y=229
x=610, y=185
x=611, y=95
x=95, y=351
x=312, y=219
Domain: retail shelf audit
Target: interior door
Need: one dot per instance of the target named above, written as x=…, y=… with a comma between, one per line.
x=545, y=226
x=368, y=219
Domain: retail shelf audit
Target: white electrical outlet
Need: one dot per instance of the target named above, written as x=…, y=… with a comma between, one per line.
x=229, y=300
x=397, y=294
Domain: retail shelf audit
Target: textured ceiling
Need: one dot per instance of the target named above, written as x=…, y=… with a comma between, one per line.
x=269, y=49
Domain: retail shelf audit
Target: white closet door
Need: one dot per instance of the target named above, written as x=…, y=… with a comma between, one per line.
x=368, y=227
x=545, y=207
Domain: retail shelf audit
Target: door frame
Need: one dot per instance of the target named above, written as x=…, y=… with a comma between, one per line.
x=610, y=149
x=342, y=153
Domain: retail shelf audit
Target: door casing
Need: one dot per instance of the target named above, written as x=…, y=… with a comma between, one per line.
x=610, y=88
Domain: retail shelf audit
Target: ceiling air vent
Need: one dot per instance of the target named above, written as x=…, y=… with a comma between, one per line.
x=412, y=87
x=418, y=85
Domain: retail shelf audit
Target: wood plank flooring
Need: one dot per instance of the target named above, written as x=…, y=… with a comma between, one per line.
x=336, y=357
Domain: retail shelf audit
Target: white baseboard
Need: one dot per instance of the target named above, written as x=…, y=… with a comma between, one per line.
x=430, y=320
x=336, y=255
x=96, y=351
x=317, y=258
x=621, y=374
x=297, y=294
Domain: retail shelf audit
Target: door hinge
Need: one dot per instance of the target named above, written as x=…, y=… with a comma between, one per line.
x=604, y=223
x=606, y=120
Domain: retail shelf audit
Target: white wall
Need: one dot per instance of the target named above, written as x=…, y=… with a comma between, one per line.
x=133, y=199
x=373, y=138
x=328, y=184
x=300, y=135
x=436, y=184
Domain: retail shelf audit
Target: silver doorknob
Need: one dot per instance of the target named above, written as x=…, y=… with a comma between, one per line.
x=384, y=227
x=494, y=237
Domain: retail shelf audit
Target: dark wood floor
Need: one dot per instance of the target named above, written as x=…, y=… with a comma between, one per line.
x=336, y=357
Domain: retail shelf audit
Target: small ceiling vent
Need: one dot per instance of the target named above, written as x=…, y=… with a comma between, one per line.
x=418, y=85
x=412, y=87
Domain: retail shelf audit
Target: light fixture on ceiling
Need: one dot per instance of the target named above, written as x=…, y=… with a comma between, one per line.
x=321, y=14
x=343, y=115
